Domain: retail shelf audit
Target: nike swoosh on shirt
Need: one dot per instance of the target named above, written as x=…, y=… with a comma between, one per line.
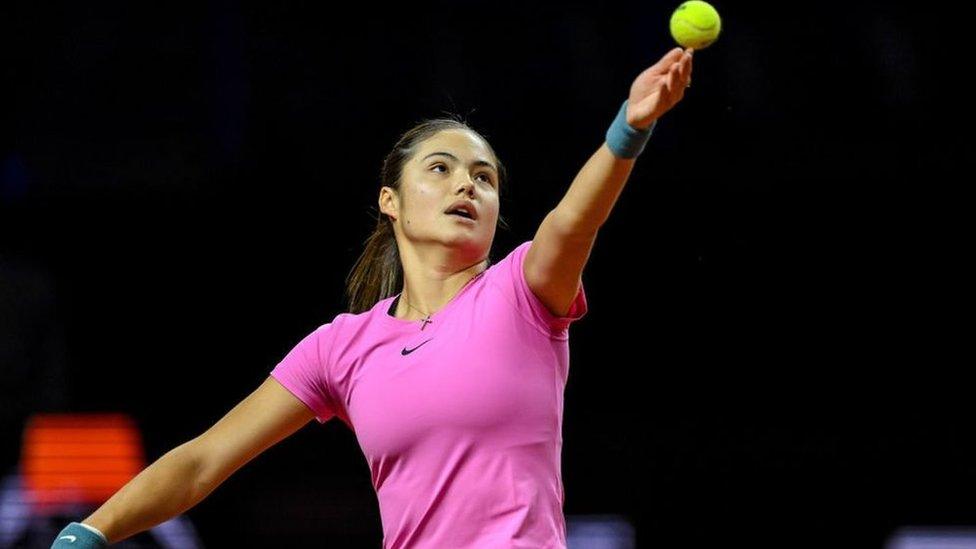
x=407, y=352
x=72, y=538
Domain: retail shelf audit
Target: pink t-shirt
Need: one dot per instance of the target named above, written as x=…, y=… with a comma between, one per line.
x=461, y=422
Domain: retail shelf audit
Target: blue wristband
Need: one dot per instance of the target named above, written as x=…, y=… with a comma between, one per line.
x=78, y=536
x=624, y=140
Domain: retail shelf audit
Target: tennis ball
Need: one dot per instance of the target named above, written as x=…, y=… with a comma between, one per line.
x=695, y=24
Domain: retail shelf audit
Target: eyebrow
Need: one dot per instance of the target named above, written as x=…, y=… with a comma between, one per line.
x=478, y=162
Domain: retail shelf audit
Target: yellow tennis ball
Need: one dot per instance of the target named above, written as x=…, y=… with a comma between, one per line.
x=695, y=24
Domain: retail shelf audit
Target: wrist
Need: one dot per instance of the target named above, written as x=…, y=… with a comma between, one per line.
x=95, y=530
x=624, y=140
x=80, y=536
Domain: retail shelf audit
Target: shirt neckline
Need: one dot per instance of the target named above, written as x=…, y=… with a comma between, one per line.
x=384, y=306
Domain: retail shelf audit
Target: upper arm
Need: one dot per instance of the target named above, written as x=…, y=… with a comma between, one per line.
x=262, y=419
x=553, y=266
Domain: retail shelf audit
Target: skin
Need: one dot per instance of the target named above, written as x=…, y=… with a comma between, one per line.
x=439, y=253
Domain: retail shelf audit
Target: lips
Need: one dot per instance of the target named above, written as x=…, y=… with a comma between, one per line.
x=463, y=206
x=461, y=219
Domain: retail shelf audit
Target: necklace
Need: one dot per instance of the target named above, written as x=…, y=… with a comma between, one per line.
x=427, y=319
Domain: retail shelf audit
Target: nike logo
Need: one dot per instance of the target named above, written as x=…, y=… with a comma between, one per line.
x=407, y=352
x=72, y=538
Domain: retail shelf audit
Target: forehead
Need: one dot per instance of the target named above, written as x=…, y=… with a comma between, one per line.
x=461, y=143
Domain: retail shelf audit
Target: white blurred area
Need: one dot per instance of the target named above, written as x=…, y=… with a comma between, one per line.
x=932, y=537
x=599, y=532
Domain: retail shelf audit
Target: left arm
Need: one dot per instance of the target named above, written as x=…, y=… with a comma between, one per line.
x=561, y=246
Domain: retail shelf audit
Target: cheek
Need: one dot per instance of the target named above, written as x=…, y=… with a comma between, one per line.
x=494, y=211
x=426, y=198
x=422, y=202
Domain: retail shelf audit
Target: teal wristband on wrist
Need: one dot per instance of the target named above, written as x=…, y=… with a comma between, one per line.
x=624, y=140
x=80, y=536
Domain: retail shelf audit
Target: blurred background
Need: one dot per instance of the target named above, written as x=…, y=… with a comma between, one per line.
x=774, y=349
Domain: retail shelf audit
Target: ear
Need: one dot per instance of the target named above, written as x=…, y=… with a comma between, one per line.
x=389, y=202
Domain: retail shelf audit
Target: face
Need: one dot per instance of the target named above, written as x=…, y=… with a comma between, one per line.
x=452, y=165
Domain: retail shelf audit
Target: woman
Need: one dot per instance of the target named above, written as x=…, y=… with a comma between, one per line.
x=454, y=385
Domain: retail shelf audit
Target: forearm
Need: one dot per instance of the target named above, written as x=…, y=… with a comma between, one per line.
x=587, y=204
x=166, y=488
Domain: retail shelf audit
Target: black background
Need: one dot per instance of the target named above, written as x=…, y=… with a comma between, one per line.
x=774, y=348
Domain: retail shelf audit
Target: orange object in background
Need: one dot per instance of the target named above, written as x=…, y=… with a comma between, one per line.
x=78, y=458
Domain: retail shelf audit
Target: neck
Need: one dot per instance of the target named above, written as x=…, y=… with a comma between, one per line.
x=421, y=298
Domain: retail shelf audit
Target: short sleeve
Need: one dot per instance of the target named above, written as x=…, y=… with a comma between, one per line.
x=510, y=279
x=304, y=371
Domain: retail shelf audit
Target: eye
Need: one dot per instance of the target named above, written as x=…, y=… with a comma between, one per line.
x=488, y=178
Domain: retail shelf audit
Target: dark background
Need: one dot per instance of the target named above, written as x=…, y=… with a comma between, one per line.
x=773, y=352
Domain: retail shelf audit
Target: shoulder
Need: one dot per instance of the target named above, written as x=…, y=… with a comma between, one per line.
x=509, y=277
x=515, y=257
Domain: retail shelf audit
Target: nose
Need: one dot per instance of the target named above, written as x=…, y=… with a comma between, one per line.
x=466, y=184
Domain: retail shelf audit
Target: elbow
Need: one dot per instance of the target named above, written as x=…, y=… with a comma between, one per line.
x=199, y=478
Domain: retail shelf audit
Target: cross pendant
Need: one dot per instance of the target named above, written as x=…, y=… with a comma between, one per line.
x=426, y=321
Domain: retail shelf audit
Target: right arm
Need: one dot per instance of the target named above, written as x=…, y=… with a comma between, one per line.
x=185, y=475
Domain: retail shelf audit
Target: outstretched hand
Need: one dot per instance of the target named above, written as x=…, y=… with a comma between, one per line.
x=660, y=87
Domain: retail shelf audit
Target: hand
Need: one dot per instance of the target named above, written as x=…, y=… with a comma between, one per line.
x=659, y=88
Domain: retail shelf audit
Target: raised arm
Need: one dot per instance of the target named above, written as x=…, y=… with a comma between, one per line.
x=185, y=475
x=562, y=244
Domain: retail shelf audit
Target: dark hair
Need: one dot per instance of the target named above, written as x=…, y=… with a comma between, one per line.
x=378, y=272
